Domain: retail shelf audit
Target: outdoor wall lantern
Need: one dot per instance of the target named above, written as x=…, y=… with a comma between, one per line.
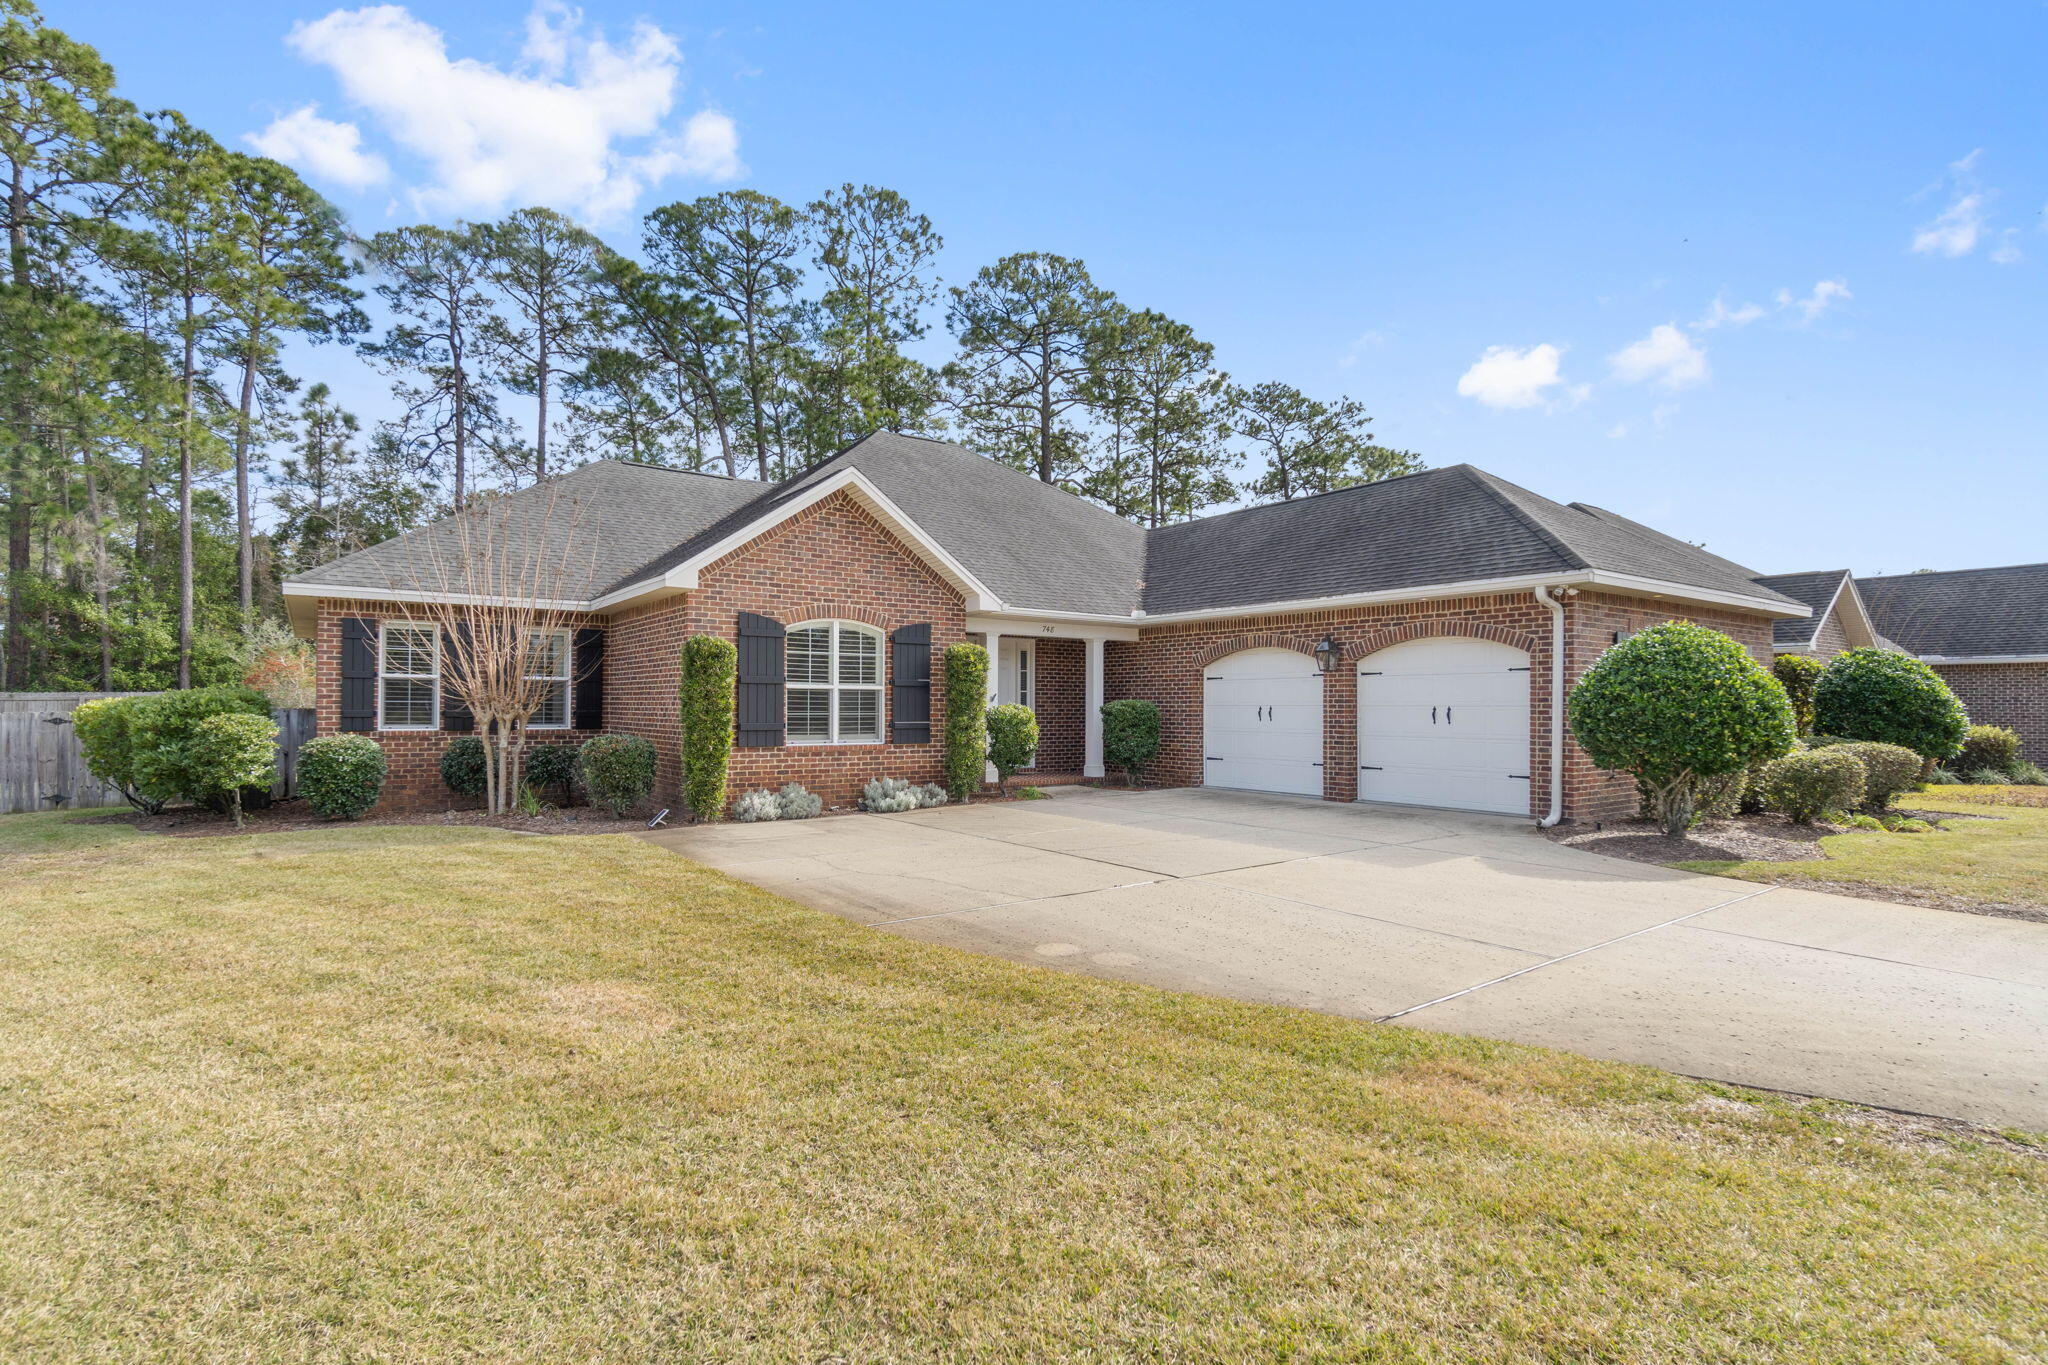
x=1329, y=654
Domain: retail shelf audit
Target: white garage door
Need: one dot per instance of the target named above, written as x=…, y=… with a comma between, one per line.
x=1445, y=723
x=1262, y=722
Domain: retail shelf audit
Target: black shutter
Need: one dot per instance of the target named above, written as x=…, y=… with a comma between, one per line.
x=761, y=681
x=588, y=695
x=454, y=658
x=910, y=685
x=358, y=673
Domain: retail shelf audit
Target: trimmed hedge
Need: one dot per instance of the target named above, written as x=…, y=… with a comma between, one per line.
x=617, y=771
x=231, y=750
x=1130, y=736
x=167, y=753
x=1986, y=746
x=710, y=683
x=1676, y=706
x=1813, y=783
x=1881, y=695
x=106, y=738
x=551, y=765
x=1012, y=739
x=1799, y=674
x=966, y=718
x=341, y=776
x=462, y=766
x=1888, y=770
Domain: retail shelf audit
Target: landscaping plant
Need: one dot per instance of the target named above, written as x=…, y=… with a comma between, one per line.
x=341, y=775
x=1012, y=739
x=1989, y=746
x=1882, y=695
x=1130, y=736
x=797, y=802
x=548, y=767
x=229, y=751
x=1799, y=674
x=931, y=794
x=1677, y=706
x=106, y=738
x=1813, y=783
x=966, y=718
x=710, y=678
x=617, y=771
x=1888, y=770
x=888, y=795
x=755, y=806
x=462, y=766
x=166, y=740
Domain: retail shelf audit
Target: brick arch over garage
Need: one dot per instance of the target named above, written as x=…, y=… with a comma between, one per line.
x=1238, y=644
x=1429, y=630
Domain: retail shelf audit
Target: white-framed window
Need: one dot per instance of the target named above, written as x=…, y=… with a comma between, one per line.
x=408, y=676
x=834, y=693
x=548, y=660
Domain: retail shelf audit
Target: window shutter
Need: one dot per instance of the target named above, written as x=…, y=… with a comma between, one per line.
x=358, y=673
x=761, y=681
x=910, y=685
x=455, y=713
x=588, y=693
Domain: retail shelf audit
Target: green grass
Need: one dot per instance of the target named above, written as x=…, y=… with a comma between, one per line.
x=2003, y=860
x=60, y=832
x=430, y=1093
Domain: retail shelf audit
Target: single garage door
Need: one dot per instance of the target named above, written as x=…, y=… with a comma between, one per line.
x=1445, y=723
x=1262, y=722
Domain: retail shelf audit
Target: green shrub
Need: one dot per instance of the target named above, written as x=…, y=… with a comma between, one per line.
x=1130, y=736
x=1888, y=770
x=966, y=718
x=617, y=771
x=1012, y=739
x=2028, y=774
x=462, y=766
x=1030, y=794
x=106, y=739
x=1865, y=822
x=1987, y=777
x=1906, y=824
x=1813, y=783
x=231, y=750
x=550, y=767
x=1798, y=674
x=165, y=740
x=1989, y=746
x=1674, y=706
x=1942, y=777
x=341, y=775
x=1881, y=695
x=710, y=684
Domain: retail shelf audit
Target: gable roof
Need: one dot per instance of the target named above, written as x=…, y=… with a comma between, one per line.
x=1964, y=613
x=1817, y=590
x=1013, y=543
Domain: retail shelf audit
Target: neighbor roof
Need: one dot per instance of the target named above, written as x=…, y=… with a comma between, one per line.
x=1963, y=612
x=1817, y=590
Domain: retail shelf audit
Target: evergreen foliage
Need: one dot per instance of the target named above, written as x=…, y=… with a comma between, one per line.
x=341, y=776
x=1883, y=695
x=1012, y=739
x=1130, y=736
x=966, y=719
x=1799, y=674
x=710, y=677
x=616, y=770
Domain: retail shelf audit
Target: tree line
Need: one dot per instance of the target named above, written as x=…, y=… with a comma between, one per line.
x=157, y=280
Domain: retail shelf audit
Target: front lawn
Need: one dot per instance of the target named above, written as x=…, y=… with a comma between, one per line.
x=2001, y=861
x=425, y=1093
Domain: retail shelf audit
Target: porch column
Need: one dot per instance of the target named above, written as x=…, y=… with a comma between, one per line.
x=1091, y=728
x=992, y=642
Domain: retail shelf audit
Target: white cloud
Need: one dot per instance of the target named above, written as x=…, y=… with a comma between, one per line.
x=322, y=148
x=2008, y=252
x=580, y=123
x=1618, y=431
x=1957, y=229
x=1507, y=378
x=1721, y=315
x=1364, y=342
x=1667, y=356
x=1824, y=294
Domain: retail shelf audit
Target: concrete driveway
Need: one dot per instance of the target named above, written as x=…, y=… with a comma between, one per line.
x=1466, y=923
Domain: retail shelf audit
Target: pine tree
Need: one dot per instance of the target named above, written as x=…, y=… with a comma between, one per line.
x=1165, y=399
x=543, y=264
x=876, y=257
x=313, y=485
x=1309, y=446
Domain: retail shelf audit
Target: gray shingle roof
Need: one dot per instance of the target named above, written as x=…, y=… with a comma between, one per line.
x=1963, y=612
x=1816, y=590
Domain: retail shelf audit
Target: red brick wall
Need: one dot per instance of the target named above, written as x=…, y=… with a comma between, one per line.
x=1165, y=665
x=2012, y=695
x=1061, y=703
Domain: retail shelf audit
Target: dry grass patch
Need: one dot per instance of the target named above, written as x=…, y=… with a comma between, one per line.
x=424, y=1093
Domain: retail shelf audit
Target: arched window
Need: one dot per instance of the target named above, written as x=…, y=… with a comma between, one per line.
x=835, y=683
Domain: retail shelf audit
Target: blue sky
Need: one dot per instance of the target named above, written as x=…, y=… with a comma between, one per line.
x=1769, y=277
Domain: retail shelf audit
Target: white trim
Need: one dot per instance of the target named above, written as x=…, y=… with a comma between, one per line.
x=1557, y=667
x=1091, y=720
x=344, y=593
x=567, y=679
x=1050, y=626
x=832, y=687
x=1982, y=658
x=1478, y=587
x=383, y=627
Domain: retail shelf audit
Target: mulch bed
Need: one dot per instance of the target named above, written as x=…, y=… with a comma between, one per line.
x=190, y=822
x=1747, y=838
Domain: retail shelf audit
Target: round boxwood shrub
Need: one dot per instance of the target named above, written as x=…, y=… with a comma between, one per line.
x=1799, y=674
x=1988, y=746
x=341, y=776
x=551, y=766
x=1012, y=739
x=966, y=718
x=165, y=740
x=1676, y=706
x=1130, y=736
x=462, y=766
x=617, y=771
x=1888, y=770
x=1886, y=696
x=710, y=675
x=1812, y=783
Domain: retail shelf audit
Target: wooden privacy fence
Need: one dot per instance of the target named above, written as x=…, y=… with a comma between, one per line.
x=41, y=767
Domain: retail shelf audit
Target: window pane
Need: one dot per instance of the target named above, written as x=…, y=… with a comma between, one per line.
x=860, y=715
x=553, y=711
x=409, y=649
x=408, y=703
x=809, y=655
x=548, y=656
x=809, y=713
x=860, y=657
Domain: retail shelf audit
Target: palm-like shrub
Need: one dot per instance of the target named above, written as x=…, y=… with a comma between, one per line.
x=1677, y=706
x=710, y=676
x=1885, y=696
x=1799, y=674
x=1012, y=739
x=1130, y=736
x=341, y=775
x=617, y=771
x=1813, y=783
x=966, y=718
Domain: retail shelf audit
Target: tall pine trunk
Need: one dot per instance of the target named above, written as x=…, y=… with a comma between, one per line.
x=20, y=507
x=100, y=576
x=185, y=561
x=245, y=539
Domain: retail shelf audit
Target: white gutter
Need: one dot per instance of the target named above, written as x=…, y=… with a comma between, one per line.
x=1983, y=658
x=1556, y=706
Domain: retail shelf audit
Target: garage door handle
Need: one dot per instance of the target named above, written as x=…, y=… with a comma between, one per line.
x=1447, y=715
x=1432, y=715
x=1370, y=768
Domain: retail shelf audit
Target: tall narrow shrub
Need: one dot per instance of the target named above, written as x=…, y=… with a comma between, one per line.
x=1130, y=735
x=1798, y=674
x=966, y=718
x=1883, y=695
x=1012, y=739
x=710, y=679
x=229, y=751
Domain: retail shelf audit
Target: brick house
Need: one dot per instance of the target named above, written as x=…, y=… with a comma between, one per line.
x=1406, y=641
x=1985, y=631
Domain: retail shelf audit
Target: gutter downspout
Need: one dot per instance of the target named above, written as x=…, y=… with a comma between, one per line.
x=1557, y=663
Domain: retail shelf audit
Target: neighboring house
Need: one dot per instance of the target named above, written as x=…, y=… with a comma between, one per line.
x=1406, y=641
x=1840, y=621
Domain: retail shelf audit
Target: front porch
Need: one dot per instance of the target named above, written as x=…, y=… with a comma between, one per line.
x=1055, y=669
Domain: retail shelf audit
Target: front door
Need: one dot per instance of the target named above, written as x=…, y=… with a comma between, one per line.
x=1017, y=679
